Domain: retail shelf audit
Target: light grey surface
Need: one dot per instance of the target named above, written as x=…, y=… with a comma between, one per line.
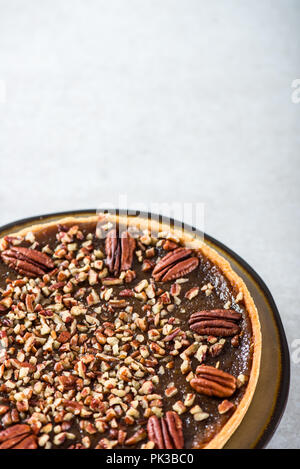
x=181, y=100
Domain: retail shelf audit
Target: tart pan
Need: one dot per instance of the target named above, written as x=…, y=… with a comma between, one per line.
x=269, y=401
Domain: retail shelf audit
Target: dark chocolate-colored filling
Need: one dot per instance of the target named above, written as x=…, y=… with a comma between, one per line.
x=233, y=360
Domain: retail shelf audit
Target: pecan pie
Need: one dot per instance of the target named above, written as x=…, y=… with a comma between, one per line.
x=121, y=333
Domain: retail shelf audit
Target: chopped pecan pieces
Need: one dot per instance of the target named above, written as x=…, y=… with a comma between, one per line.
x=213, y=382
x=18, y=437
x=26, y=261
x=2, y=308
x=173, y=334
x=119, y=251
x=64, y=337
x=175, y=264
x=169, y=245
x=217, y=322
x=67, y=382
x=166, y=432
x=225, y=406
x=139, y=435
x=235, y=341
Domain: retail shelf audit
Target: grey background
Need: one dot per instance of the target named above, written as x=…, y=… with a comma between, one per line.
x=183, y=100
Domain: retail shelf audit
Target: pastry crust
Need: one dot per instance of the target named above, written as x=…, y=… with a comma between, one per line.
x=220, y=439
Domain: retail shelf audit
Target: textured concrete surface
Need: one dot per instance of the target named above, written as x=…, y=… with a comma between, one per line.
x=176, y=100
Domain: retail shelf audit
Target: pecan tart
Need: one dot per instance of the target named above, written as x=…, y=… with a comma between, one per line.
x=119, y=333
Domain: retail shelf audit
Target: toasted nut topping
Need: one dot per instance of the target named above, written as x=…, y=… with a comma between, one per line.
x=225, y=407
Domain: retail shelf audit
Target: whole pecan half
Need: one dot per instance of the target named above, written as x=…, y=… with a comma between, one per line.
x=18, y=436
x=213, y=382
x=166, y=432
x=26, y=261
x=175, y=264
x=217, y=322
x=119, y=251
